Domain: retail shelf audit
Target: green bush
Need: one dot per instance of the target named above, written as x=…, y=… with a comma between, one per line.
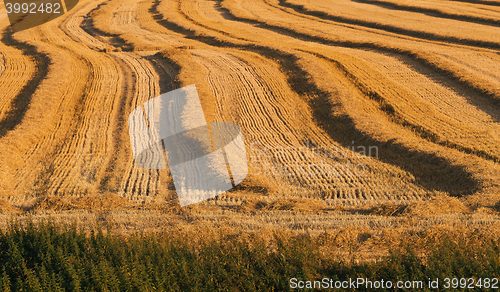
x=48, y=257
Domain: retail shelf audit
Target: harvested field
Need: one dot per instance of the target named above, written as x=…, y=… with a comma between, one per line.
x=371, y=107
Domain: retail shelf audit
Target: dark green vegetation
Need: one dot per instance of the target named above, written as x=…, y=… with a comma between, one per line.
x=50, y=257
